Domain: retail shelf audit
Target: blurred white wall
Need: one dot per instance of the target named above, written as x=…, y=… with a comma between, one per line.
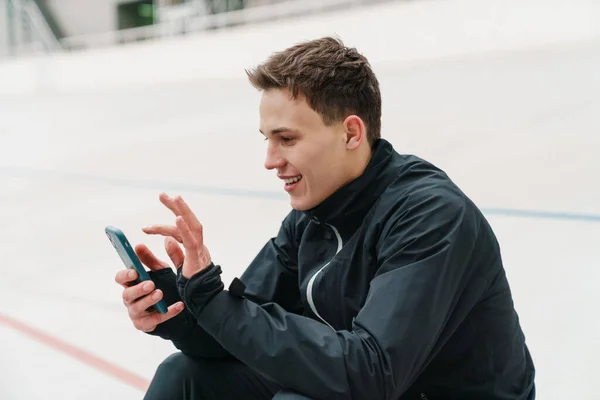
x=3, y=29
x=388, y=34
x=77, y=17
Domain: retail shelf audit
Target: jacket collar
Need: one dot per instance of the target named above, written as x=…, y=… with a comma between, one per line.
x=351, y=202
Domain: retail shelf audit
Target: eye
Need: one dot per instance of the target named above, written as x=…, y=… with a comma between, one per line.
x=287, y=140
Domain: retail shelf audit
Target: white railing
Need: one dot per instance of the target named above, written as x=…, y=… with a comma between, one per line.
x=195, y=23
x=40, y=26
x=27, y=16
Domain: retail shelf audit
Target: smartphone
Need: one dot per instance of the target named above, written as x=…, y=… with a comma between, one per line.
x=130, y=259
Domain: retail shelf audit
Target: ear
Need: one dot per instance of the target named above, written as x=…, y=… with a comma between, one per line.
x=355, y=130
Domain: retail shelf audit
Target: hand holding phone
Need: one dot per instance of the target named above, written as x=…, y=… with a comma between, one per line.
x=127, y=254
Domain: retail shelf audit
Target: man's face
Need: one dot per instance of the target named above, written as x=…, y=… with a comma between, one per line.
x=310, y=157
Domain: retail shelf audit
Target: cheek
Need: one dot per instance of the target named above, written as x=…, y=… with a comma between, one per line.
x=316, y=162
x=320, y=173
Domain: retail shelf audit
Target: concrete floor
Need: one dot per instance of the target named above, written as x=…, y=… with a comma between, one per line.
x=518, y=131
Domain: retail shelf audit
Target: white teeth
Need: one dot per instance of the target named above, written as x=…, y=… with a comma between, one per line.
x=293, y=180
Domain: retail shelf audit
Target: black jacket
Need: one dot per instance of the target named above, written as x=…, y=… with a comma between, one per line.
x=392, y=288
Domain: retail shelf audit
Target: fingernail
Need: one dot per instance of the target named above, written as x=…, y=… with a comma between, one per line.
x=131, y=274
x=179, y=307
x=156, y=295
x=147, y=286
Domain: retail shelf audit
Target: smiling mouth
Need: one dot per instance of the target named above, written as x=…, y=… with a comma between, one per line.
x=293, y=180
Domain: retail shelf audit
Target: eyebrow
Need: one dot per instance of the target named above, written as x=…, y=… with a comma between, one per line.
x=278, y=131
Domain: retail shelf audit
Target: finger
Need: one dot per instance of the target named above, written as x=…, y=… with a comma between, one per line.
x=174, y=251
x=189, y=241
x=164, y=230
x=133, y=293
x=170, y=203
x=149, y=322
x=149, y=259
x=172, y=311
x=190, y=218
x=138, y=309
x=125, y=276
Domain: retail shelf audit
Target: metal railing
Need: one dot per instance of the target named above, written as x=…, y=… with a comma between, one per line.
x=28, y=30
x=195, y=22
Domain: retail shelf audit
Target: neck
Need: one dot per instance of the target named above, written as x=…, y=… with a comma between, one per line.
x=359, y=161
x=370, y=177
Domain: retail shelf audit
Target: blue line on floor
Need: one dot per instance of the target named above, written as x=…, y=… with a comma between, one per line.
x=541, y=214
x=20, y=172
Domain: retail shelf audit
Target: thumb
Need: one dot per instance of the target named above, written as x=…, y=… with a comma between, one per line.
x=149, y=259
x=174, y=251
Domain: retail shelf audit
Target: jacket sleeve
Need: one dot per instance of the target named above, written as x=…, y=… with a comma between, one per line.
x=410, y=310
x=183, y=330
x=271, y=277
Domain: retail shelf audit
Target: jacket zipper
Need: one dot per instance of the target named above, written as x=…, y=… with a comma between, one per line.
x=309, y=288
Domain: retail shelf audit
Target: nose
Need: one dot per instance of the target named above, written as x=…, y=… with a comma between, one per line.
x=273, y=159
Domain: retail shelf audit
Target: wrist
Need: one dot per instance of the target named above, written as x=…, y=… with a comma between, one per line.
x=206, y=262
x=198, y=290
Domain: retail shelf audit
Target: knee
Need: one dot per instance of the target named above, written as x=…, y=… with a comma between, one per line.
x=176, y=365
x=181, y=367
x=172, y=377
x=289, y=395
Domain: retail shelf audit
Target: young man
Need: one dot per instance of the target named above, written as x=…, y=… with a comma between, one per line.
x=384, y=282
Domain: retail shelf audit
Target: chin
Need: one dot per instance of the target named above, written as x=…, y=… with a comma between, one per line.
x=298, y=205
x=301, y=204
x=304, y=203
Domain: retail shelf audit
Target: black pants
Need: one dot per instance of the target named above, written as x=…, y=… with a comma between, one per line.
x=183, y=378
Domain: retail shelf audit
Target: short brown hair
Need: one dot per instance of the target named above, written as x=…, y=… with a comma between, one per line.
x=336, y=80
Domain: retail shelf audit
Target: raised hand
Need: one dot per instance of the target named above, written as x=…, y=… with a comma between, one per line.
x=187, y=231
